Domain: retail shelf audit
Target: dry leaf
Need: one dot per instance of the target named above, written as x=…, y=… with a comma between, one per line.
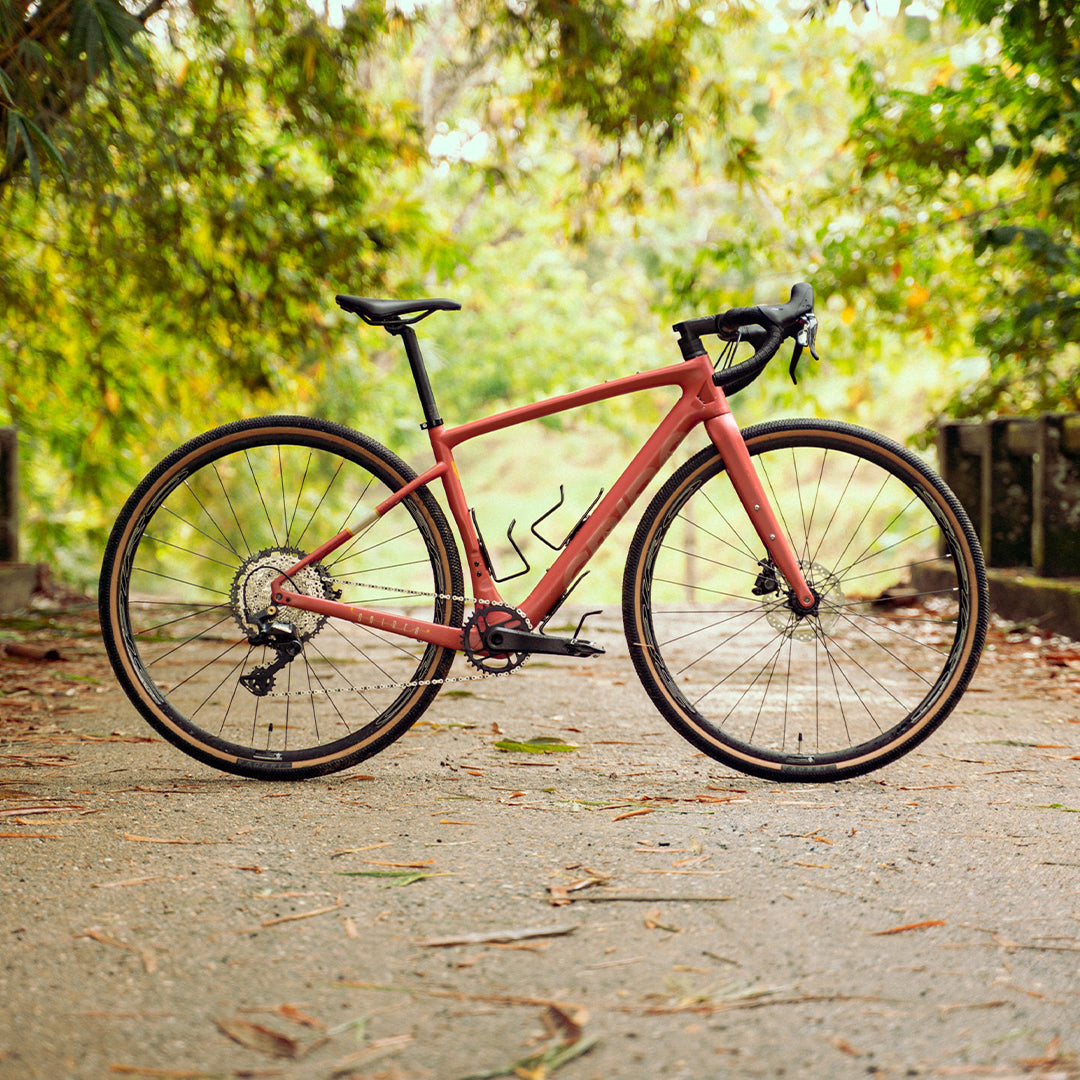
x=844, y=1046
x=291, y=1012
x=558, y=1021
x=633, y=813
x=303, y=915
x=484, y=937
x=910, y=926
x=160, y=840
x=258, y=1037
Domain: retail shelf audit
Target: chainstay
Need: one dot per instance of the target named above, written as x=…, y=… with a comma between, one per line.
x=399, y=685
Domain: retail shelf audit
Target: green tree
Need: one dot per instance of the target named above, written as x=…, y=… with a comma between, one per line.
x=51, y=54
x=969, y=182
x=179, y=206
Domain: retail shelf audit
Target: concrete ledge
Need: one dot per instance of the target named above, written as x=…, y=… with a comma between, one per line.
x=17, y=581
x=1020, y=596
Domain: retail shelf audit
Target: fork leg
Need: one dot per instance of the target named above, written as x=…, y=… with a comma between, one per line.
x=729, y=443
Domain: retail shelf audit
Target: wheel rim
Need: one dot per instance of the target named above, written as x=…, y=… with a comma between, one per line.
x=203, y=546
x=878, y=658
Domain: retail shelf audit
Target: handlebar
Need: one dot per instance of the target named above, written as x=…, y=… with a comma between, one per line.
x=765, y=326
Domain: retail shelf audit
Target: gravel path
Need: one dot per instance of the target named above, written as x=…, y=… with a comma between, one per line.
x=626, y=909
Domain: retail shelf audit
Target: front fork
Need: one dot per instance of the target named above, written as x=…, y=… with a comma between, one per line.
x=729, y=443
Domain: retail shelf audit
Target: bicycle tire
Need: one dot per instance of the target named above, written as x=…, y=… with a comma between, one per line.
x=190, y=560
x=894, y=639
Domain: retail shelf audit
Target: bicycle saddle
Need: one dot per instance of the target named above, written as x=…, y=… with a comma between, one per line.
x=381, y=312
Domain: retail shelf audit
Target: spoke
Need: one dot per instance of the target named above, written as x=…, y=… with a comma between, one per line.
x=889, y=652
x=209, y=663
x=741, y=613
x=897, y=570
x=210, y=517
x=177, y=581
x=740, y=546
x=944, y=591
x=735, y=671
x=870, y=675
x=322, y=499
x=406, y=531
x=188, y=551
x=841, y=501
x=262, y=499
x=202, y=532
x=344, y=678
x=858, y=529
x=202, y=635
x=225, y=678
x=867, y=554
x=890, y=625
x=699, y=588
x=232, y=509
x=360, y=651
x=768, y=664
x=144, y=630
x=713, y=562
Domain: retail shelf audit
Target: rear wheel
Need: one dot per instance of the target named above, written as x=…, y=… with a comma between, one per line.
x=186, y=578
x=733, y=662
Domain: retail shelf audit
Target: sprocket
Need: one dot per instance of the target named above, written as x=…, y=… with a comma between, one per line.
x=250, y=594
x=474, y=630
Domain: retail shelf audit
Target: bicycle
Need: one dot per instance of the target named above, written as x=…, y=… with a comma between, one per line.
x=804, y=600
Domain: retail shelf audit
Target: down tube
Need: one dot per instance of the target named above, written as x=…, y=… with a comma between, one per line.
x=687, y=413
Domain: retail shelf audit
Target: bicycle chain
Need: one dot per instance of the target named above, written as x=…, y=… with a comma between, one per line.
x=413, y=682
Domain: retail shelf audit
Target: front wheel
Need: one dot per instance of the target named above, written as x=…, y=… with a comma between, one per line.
x=737, y=667
x=185, y=595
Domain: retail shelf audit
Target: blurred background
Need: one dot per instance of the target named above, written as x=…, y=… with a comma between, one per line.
x=184, y=186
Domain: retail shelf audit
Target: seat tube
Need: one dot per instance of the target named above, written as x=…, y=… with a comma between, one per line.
x=728, y=440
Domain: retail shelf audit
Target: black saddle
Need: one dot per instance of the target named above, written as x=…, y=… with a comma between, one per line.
x=392, y=312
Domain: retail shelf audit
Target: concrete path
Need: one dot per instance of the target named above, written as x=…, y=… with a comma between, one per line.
x=628, y=909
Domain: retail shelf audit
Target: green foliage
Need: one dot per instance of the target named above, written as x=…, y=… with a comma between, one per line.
x=182, y=275
x=51, y=54
x=178, y=207
x=977, y=172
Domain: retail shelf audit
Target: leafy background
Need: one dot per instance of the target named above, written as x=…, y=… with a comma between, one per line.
x=186, y=185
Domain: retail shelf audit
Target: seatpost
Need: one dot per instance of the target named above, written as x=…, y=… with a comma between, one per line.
x=419, y=373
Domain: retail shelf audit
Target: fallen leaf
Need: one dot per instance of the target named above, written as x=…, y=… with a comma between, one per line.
x=844, y=1046
x=559, y=1021
x=633, y=813
x=401, y=865
x=162, y=840
x=392, y=877
x=258, y=1037
x=291, y=1012
x=20, y=810
x=483, y=937
x=540, y=744
x=303, y=915
x=925, y=924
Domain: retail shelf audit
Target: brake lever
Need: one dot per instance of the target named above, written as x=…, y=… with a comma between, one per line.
x=805, y=338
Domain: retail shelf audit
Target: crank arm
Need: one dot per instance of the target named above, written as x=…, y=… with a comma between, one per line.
x=498, y=640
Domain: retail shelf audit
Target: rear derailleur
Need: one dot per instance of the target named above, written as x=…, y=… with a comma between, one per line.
x=280, y=636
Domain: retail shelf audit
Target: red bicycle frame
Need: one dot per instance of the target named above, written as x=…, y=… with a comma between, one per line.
x=701, y=402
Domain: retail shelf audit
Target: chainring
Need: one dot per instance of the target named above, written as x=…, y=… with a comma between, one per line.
x=472, y=638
